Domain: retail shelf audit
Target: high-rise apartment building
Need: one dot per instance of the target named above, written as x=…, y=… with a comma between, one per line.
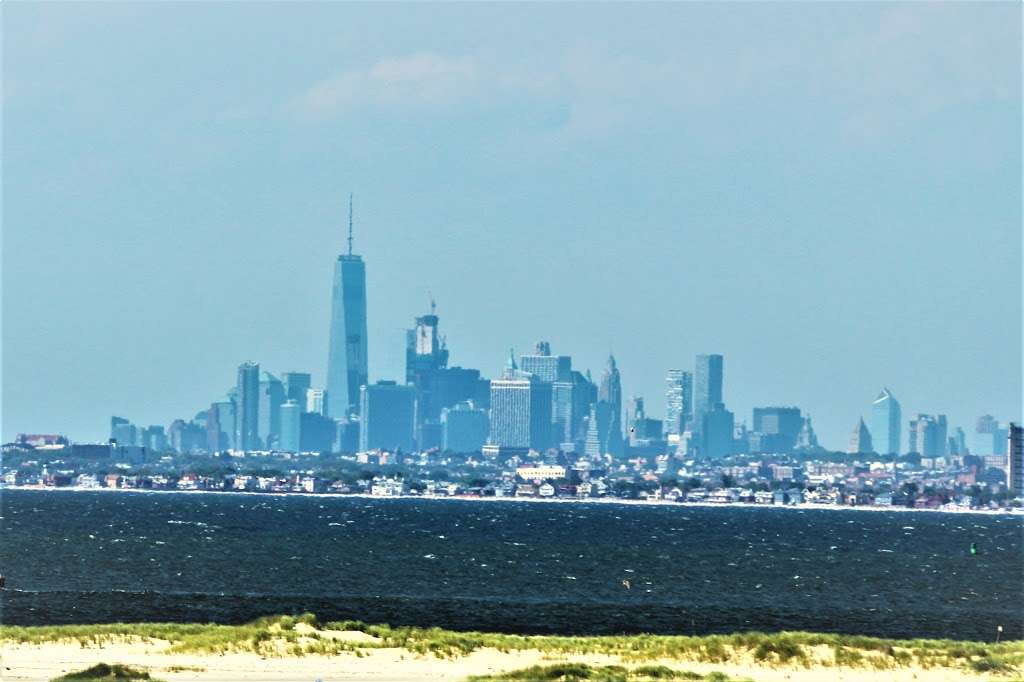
x=678, y=402
x=707, y=387
x=347, y=354
x=387, y=413
x=247, y=392
x=886, y=420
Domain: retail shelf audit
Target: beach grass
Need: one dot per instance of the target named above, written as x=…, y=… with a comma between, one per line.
x=304, y=634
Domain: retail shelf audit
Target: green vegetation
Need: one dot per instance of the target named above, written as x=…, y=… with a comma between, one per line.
x=102, y=672
x=577, y=672
x=305, y=634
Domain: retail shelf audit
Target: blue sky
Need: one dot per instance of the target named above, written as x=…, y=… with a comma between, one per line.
x=829, y=195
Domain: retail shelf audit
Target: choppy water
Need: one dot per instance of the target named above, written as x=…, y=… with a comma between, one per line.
x=507, y=566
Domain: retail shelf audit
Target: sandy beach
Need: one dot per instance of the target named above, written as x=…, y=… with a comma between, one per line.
x=40, y=662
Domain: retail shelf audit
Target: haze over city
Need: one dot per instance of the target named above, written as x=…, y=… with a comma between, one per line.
x=641, y=187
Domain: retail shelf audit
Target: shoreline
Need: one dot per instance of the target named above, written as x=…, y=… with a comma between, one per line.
x=1015, y=512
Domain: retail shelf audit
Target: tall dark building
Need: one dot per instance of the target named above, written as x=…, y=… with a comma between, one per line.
x=707, y=387
x=387, y=415
x=248, y=407
x=1015, y=458
x=717, y=432
x=609, y=412
x=555, y=370
x=776, y=429
x=347, y=353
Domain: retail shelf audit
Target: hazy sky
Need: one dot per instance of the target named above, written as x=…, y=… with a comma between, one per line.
x=829, y=195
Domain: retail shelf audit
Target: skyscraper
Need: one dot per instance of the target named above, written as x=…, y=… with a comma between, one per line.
x=347, y=354
x=1015, y=458
x=295, y=386
x=520, y=410
x=860, y=439
x=717, y=432
x=886, y=420
x=248, y=407
x=386, y=414
x=678, y=402
x=220, y=426
x=555, y=370
x=609, y=412
x=268, y=427
x=291, y=426
x=927, y=435
x=316, y=401
x=464, y=427
x=707, y=387
x=776, y=428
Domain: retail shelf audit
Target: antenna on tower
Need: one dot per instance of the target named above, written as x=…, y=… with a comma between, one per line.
x=433, y=304
x=350, y=223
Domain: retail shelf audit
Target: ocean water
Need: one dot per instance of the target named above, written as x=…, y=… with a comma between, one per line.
x=82, y=557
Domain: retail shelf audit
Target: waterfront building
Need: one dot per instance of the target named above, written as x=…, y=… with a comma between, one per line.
x=220, y=426
x=860, y=439
x=296, y=384
x=464, y=427
x=316, y=401
x=387, y=416
x=678, y=402
x=268, y=423
x=776, y=428
x=927, y=435
x=520, y=410
x=609, y=413
x=717, y=432
x=347, y=354
x=1015, y=458
x=886, y=421
x=707, y=387
x=541, y=472
x=291, y=426
x=248, y=410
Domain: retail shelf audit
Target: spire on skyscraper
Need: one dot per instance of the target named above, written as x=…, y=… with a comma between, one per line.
x=350, y=223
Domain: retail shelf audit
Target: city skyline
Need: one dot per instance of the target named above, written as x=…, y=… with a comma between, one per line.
x=829, y=226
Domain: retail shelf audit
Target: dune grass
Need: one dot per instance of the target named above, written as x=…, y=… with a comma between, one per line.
x=305, y=635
